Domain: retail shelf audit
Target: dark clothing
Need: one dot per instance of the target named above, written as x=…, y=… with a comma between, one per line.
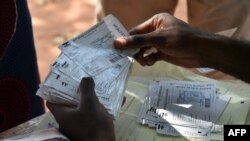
x=19, y=77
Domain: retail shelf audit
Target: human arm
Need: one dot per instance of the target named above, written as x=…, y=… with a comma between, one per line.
x=89, y=121
x=180, y=44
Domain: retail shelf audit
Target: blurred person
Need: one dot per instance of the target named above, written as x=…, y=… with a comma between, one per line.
x=209, y=15
x=19, y=76
x=133, y=12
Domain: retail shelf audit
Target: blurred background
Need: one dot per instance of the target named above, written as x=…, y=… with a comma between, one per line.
x=55, y=21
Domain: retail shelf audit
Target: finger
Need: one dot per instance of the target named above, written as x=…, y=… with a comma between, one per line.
x=57, y=110
x=143, y=28
x=152, y=58
x=137, y=41
x=123, y=100
x=88, y=96
x=147, y=56
x=139, y=57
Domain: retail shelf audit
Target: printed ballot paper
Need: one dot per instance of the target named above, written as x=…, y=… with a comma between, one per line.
x=182, y=108
x=90, y=54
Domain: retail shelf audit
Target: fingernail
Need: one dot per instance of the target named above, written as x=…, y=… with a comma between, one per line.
x=87, y=78
x=119, y=42
x=87, y=83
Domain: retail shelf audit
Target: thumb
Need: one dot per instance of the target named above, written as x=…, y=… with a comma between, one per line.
x=136, y=41
x=57, y=110
x=88, y=95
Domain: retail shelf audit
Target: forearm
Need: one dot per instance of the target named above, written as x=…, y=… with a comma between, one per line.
x=225, y=54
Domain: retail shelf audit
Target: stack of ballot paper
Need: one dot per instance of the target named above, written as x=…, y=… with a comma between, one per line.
x=182, y=108
x=91, y=54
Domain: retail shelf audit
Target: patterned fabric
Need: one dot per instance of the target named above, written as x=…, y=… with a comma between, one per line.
x=19, y=76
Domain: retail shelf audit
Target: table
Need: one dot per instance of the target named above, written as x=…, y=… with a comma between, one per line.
x=126, y=127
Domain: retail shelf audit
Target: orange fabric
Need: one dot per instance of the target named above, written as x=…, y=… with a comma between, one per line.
x=218, y=15
x=134, y=12
x=209, y=15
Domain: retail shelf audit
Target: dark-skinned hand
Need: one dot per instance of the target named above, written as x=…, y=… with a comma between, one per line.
x=89, y=121
x=164, y=37
x=171, y=37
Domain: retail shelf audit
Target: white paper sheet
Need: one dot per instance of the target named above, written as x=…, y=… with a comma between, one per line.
x=91, y=54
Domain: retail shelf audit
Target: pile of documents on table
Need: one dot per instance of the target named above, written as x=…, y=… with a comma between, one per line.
x=90, y=54
x=182, y=108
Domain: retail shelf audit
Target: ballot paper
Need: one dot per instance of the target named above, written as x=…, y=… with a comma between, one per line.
x=51, y=134
x=91, y=54
x=182, y=108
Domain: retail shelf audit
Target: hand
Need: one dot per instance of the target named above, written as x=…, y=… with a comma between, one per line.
x=90, y=121
x=174, y=41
